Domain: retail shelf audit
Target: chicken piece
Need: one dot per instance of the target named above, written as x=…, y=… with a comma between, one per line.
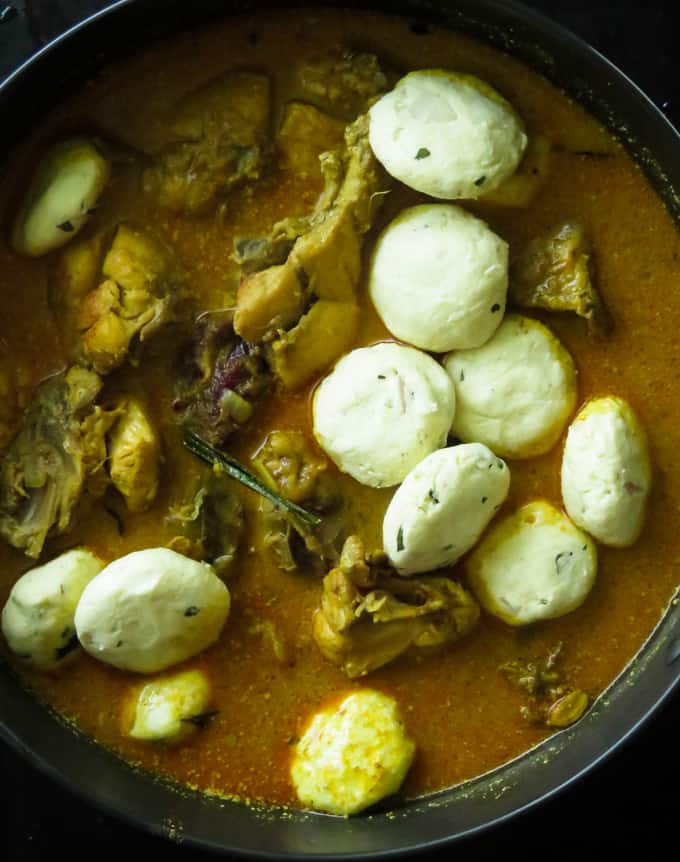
x=272, y=300
x=71, y=276
x=343, y=81
x=141, y=293
x=60, y=448
x=293, y=468
x=305, y=133
x=217, y=142
x=554, y=272
x=324, y=264
x=327, y=331
x=369, y=616
x=134, y=456
x=305, y=136
x=210, y=524
x=219, y=380
x=254, y=254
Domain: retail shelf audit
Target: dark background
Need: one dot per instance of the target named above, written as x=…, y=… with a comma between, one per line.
x=626, y=807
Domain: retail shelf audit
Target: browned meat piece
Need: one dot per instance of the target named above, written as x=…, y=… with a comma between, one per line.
x=210, y=525
x=327, y=331
x=290, y=464
x=554, y=272
x=292, y=467
x=305, y=308
x=59, y=449
x=342, y=81
x=140, y=293
x=269, y=301
x=218, y=141
x=220, y=378
x=256, y=253
x=369, y=616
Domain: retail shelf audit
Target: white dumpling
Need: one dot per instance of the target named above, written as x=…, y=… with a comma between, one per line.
x=61, y=198
x=439, y=277
x=38, y=618
x=606, y=472
x=353, y=755
x=446, y=134
x=150, y=610
x=441, y=509
x=533, y=565
x=381, y=411
x=516, y=392
x=168, y=709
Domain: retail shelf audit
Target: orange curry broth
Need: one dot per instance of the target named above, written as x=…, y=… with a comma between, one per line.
x=463, y=715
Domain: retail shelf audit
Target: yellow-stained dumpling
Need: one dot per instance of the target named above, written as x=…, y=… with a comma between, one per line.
x=167, y=709
x=446, y=134
x=63, y=193
x=439, y=277
x=352, y=755
x=516, y=392
x=606, y=472
x=533, y=565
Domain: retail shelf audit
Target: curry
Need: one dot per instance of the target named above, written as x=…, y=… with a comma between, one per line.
x=461, y=704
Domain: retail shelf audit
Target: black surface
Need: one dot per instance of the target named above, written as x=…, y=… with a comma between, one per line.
x=628, y=806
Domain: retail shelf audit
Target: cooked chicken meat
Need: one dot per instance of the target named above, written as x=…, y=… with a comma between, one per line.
x=217, y=141
x=140, y=293
x=305, y=308
x=71, y=276
x=554, y=272
x=59, y=448
x=298, y=472
x=293, y=468
x=134, y=456
x=342, y=81
x=210, y=525
x=369, y=616
x=305, y=133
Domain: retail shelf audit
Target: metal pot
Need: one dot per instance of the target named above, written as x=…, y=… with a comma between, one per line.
x=114, y=786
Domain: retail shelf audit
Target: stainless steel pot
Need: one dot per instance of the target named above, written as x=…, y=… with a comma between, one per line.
x=160, y=808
